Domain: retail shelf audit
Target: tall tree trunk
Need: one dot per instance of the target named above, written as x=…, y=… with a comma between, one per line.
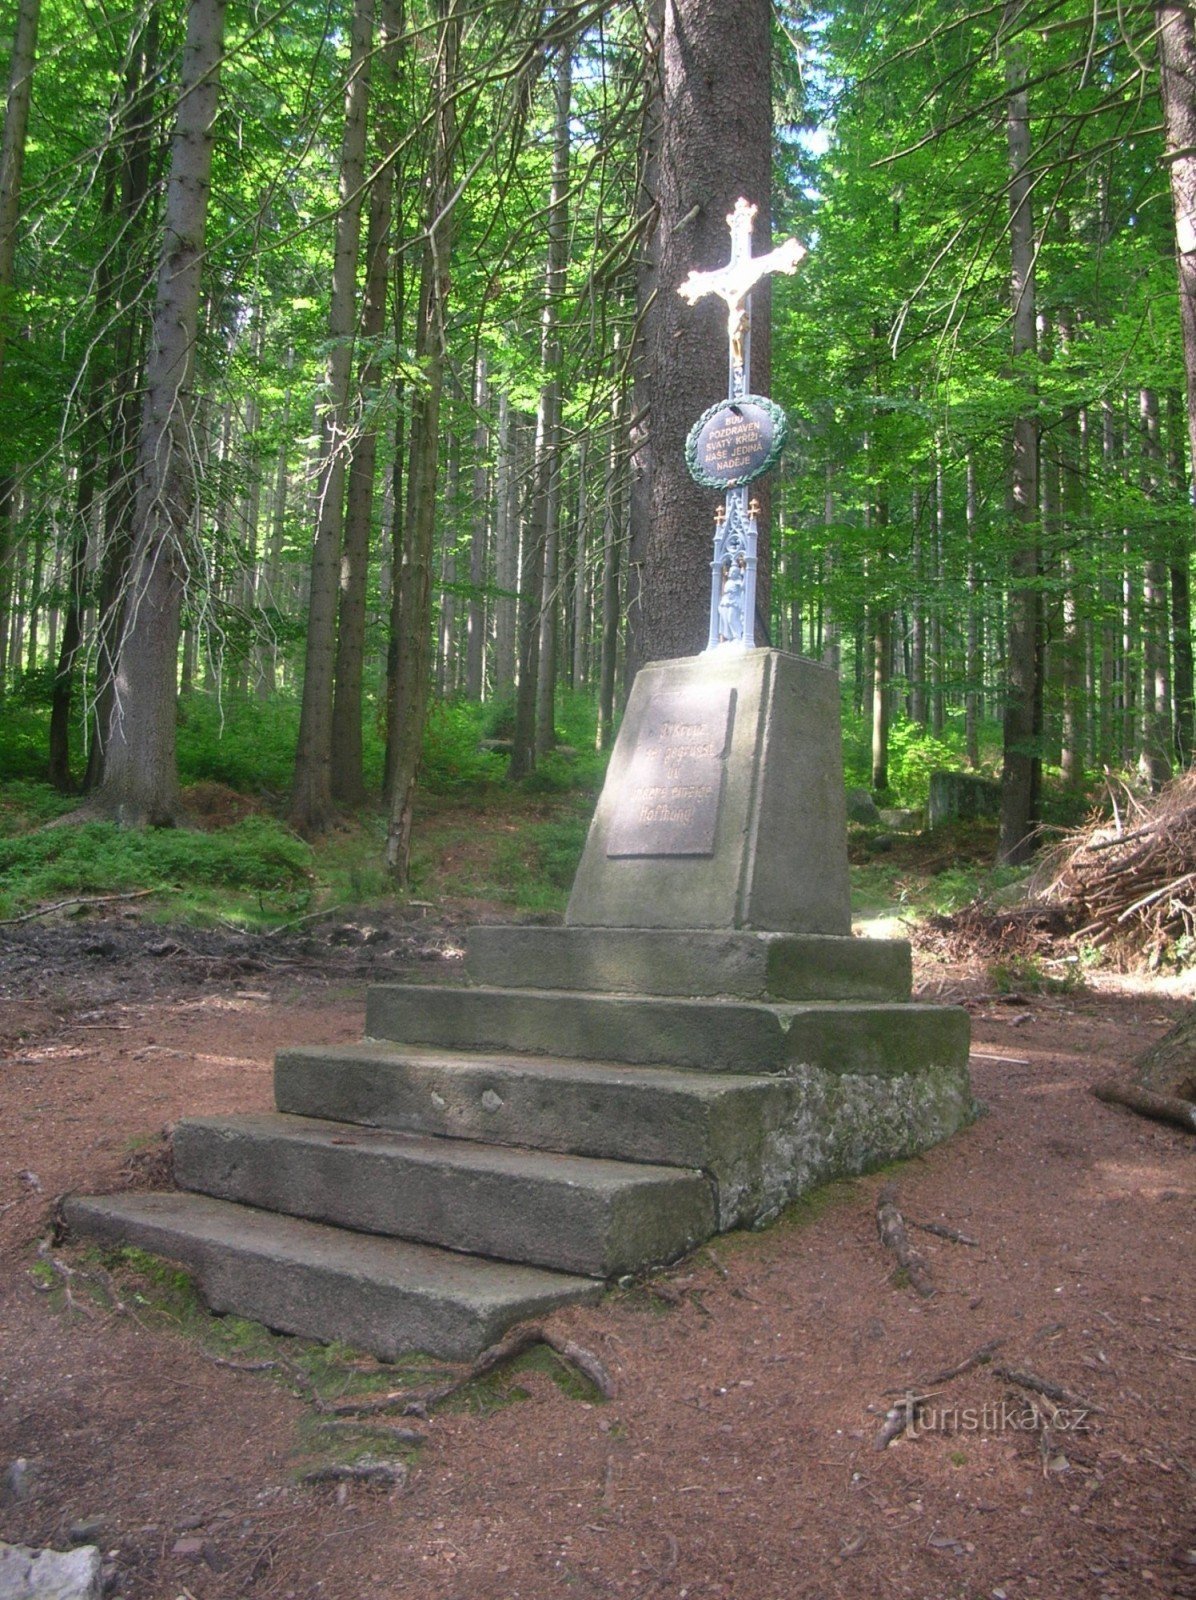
x=577, y=671
x=716, y=145
x=140, y=782
x=348, y=775
x=1183, y=692
x=882, y=649
x=506, y=550
x=1021, y=764
x=938, y=717
x=1071, y=460
x=917, y=635
x=414, y=643
x=12, y=152
x=1155, y=727
x=535, y=701
x=1176, y=28
x=12, y=161
x=128, y=355
x=612, y=537
x=973, y=659
x=311, y=793
x=475, y=643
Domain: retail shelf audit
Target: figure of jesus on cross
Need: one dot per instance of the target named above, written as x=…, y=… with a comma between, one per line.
x=733, y=284
x=755, y=424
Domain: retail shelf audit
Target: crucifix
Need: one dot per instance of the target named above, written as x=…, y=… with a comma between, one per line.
x=741, y=438
x=733, y=284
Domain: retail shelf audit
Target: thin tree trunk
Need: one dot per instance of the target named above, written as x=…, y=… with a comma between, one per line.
x=917, y=635
x=1021, y=766
x=612, y=549
x=1156, y=718
x=535, y=700
x=12, y=151
x=475, y=644
x=882, y=649
x=581, y=609
x=972, y=666
x=348, y=774
x=414, y=644
x=12, y=161
x=506, y=551
x=311, y=794
x=1183, y=692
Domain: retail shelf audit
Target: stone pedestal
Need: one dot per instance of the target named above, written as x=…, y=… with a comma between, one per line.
x=724, y=804
x=699, y=1044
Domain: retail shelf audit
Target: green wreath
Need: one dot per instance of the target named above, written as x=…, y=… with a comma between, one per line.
x=780, y=436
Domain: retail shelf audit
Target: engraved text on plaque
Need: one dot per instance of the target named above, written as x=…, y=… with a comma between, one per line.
x=668, y=803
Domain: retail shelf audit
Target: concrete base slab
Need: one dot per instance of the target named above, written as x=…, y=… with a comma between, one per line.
x=697, y=962
x=384, y=1295
x=569, y=1212
x=708, y=1035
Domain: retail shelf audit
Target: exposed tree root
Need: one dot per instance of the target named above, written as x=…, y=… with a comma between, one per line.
x=890, y=1224
x=1159, y=1107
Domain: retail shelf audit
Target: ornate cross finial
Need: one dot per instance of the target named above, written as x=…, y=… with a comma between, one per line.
x=733, y=283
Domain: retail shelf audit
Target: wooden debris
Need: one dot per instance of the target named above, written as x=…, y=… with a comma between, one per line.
x=890, y=1225
x=78, y=900
x=379, y=1474
x=976, y=1359
x=942, y=1232
x=901, y=1419
x=1025, y=1379
x=1133, y=885
x=1159, y=1107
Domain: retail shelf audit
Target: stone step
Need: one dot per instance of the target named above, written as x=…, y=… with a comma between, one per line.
x=568, y=1212
x=709, y=1035
x=722, y=1123
x=384, y=1295
x=700, y=963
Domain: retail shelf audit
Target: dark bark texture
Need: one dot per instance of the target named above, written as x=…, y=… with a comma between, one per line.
x=715, y=145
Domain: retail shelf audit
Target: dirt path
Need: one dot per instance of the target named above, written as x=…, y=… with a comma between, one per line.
x=737, y=1459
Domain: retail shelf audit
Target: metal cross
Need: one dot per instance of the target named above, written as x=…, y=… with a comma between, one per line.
x=733, y=569
x=733, y=284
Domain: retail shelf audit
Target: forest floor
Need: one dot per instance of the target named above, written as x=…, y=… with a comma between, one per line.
x=738, y=1456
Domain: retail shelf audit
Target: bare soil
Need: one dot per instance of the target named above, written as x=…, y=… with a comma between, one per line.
x=738, y=1456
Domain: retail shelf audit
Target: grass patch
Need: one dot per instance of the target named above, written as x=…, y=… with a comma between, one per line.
x=256, y=865
x=521, y=851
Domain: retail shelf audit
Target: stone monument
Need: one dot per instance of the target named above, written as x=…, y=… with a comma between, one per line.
x=699, y=1043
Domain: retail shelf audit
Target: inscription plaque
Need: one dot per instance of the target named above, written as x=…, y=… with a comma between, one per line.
x=668, y=803
x=736, y=442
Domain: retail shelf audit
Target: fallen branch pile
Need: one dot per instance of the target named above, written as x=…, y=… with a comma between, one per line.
x=1132, y=881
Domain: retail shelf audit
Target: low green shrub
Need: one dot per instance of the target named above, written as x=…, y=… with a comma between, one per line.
x=257, y=855
x=452, y=762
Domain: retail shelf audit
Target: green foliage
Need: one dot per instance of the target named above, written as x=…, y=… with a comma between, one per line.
x=1035, y=975
x=914, y=753
x=25, y=804
x=24, y=736
x=240, y=740
x=257, y=856
x=452, y=762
